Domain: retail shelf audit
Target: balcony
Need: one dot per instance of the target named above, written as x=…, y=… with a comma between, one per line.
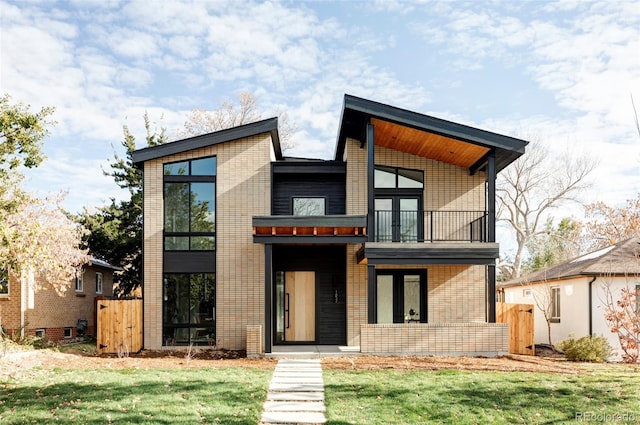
x=435, y=226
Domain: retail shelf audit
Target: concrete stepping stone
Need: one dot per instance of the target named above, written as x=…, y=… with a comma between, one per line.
x=296, y=394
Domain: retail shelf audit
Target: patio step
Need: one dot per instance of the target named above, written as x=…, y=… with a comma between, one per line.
x=296, y=394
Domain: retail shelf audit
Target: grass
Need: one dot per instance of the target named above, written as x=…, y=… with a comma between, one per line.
x=179, y=396
x=473, y=397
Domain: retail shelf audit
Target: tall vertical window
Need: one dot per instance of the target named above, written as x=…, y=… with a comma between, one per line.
x=79, y=280
x=98, y=283
x=555, y=305
x=190, y=205
x=4, y=282
x=189, y=309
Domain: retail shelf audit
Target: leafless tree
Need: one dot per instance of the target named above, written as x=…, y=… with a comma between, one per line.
x=231, y=114
x=531, y=187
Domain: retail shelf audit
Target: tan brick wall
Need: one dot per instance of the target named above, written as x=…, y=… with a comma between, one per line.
x=447, y=187
x=255, y=341
x=485, y=339
x=54, y=312
x=456, y=294
x=242, y=191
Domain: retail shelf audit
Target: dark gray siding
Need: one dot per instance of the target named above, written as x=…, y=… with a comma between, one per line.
x=329, y=186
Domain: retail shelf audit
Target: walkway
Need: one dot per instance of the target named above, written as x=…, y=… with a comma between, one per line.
x=296, y=393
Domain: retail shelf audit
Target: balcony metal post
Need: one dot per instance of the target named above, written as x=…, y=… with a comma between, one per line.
x=491, y=197
x=371, y=196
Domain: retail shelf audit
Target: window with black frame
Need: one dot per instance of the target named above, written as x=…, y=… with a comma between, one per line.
x=190, y=205
x=398, y=204
x=401, y=296
x=189, y=301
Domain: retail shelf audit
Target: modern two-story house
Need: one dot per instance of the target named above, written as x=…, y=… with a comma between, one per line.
x=390, y=246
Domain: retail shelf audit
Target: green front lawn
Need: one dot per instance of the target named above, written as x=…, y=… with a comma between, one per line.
x=179, y=396
x=474, y=397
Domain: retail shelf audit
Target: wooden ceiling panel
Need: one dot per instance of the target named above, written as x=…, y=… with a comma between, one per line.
x=427, y=145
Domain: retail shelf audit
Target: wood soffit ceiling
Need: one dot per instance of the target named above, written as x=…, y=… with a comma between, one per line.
x=427, y=145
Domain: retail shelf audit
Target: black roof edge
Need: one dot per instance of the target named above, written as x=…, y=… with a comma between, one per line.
x=269, y=125
x=427, y=123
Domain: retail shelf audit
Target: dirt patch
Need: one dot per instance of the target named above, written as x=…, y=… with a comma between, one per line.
x=19, y=364
x=505, y=364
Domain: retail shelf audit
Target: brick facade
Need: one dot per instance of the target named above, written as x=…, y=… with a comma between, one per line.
x=242, y=191
x=450, y=339
x=455, y=293
x=50, y=311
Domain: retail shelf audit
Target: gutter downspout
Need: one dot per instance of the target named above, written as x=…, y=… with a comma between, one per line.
x=593, y=279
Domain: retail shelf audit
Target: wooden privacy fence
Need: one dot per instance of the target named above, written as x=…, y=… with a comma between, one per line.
x=520, y=320
x=118, y=326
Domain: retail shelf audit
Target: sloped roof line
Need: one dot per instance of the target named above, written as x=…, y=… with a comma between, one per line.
x=269, y=125
x=622, y=258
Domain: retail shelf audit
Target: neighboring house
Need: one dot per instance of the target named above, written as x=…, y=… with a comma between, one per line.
x=389, y=246
x=47, y=314
x=574, y=292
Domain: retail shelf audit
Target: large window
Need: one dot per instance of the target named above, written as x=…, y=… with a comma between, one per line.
x=189, y=301
x=190, y=205
x=401, y=296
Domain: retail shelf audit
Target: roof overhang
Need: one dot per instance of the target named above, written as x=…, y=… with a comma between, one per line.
x=269, y=125
x=425, y=136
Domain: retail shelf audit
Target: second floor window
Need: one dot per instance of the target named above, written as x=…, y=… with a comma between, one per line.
x=79, y=282
x=190, y=205
x=308, y=206
x=98, y=283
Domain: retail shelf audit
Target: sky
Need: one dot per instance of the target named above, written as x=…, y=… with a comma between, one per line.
x=563, y=73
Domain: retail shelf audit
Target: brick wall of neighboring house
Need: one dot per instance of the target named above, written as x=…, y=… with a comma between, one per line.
x=242, y=191
x=10, y=306
x=53, y=312
x=456, y=293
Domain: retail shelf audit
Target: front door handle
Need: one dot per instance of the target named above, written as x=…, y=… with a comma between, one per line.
x=286, y=308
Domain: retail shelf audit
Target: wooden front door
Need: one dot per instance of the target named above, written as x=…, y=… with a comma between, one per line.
x=300, y=306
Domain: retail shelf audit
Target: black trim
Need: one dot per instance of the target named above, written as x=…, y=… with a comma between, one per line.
x=491, y=293
x=491, y=197
x=371, y=169
x=269, y=125
x=432, y=253
x=268, y=297
x=306, y=167
x=372, y=291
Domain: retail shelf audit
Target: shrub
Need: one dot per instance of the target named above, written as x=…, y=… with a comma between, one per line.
x=586, y=349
